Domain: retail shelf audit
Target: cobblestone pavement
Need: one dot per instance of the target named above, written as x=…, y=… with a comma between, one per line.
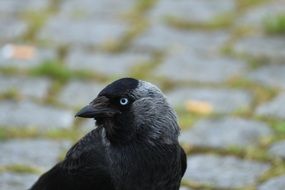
x=220, y=62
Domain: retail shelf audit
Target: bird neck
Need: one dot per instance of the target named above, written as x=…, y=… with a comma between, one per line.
x=141, y=166
x=127, y=134
x=117, y=133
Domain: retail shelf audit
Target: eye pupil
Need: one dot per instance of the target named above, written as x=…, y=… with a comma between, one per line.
x=124, y=101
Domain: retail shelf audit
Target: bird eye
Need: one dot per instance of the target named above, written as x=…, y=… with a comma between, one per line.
x=124, y=101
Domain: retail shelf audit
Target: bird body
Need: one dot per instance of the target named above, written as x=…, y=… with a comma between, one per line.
x=134, y=147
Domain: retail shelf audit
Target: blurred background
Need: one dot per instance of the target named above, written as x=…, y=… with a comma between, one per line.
x=220, y=62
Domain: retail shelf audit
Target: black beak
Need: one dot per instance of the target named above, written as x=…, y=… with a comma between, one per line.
x=99, y=107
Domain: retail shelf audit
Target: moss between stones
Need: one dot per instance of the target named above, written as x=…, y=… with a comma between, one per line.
x=59, y=72
x=29, y=132
x=52, y=69
x=18, y=168
x=275, y=24
x=12, y=94
x=144, y=6
x=277, y=169
x=138, y=24
x=261, y=93
x=143, y=71
x=219, y=22
x=11, y=132
x=246, y=4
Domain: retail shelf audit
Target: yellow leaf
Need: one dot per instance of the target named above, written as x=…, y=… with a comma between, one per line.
x=197, y=106
x=22, y=52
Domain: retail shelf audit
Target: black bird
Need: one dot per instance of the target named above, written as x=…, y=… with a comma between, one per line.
x=134, y=147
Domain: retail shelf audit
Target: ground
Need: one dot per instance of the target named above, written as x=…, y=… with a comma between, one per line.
x=220, y=63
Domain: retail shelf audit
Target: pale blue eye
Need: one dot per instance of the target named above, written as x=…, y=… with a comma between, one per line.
x=124, y=101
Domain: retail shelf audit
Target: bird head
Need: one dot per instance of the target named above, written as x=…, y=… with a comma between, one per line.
x=131, y=109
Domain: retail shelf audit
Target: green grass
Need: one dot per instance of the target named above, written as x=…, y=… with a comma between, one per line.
x=18, y=168
x=59, y=72
x=277, y=125
x=12, y=94
x=10, y=132
x=63, y=134
x=275, y=24
x=277, y=169
x=255, y=62
x=138, y=24
x=53, y=92
x=54, y=70
x=258, y=152
x=260, y=93
x=143, y=70
x=136, y=28
x=219, y=22
x=246, y=4
x=28, y=132
x=196, y=186
x=186, y=119
x=36, y=20
x=141, y=7
x=9, y=71
x=279, y=128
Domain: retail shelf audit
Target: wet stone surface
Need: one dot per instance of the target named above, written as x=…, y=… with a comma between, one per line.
x=184, y=188
x=32, y=153
x=270, y=75
x=71, y=31
x=225, y=133
x=39, y=57
x=118, y=65
x=278, y=149
x=256, y=16
x=84, y=92
x=197, y=68
x=223, y=172
x=28, y=114
x=201, y=11
x=14, y=7
x=273, y=108
x=12, y=29
x=212, y=57
x=25, y=86
x=199, y=41
x=220, y=100
x=276, y=183
x=15, y=181
x=96, y=9
x=260, y=47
